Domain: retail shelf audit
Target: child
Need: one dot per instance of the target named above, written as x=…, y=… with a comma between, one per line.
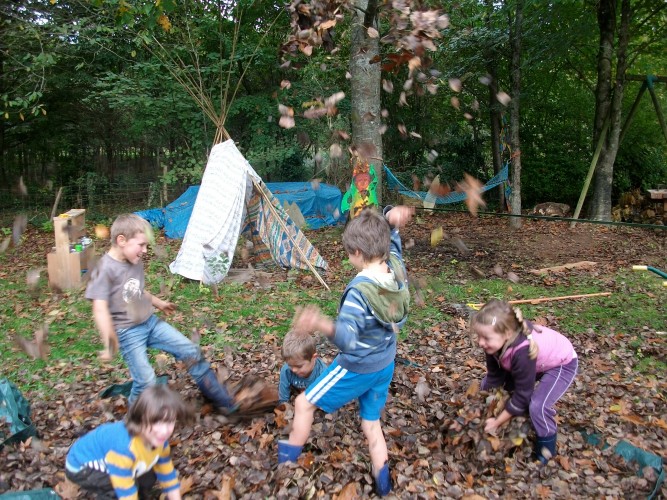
x=302, y=364
x=373, y=308
x=123, y=309
x=517, y=354
x=125, y=459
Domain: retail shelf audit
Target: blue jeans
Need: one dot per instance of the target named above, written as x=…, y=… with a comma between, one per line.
x=157, y=334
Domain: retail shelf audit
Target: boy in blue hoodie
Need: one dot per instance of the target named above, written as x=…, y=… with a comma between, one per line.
x=372, y=310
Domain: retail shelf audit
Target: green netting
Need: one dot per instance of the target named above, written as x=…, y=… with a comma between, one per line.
x=44, y=494
x=15, y=423
x=630, y=453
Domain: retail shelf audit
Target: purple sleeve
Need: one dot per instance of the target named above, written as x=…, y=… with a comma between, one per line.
x=523, y=373
x=495, y=375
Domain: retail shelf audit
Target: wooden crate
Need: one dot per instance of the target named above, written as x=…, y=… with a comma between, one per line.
x=66, y=268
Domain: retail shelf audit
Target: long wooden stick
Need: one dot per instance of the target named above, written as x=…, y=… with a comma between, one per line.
x=548, y=299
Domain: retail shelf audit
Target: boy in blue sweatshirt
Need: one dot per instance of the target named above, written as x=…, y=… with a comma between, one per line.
x=372, y=310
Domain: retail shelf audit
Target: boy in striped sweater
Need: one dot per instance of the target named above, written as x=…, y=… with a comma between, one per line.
x=373, y=308
x=125, y=459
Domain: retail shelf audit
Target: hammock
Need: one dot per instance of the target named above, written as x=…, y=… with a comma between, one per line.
x=395, y=185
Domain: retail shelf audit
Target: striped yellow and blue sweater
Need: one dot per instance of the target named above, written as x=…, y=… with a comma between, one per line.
x=111, y=449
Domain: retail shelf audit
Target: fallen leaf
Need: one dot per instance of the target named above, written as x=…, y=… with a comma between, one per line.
x=473, y=190
x=436, y=236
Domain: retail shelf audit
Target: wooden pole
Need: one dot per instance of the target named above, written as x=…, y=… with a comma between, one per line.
x=658, y=111
x=631, y=114
x=549, y=299
x=591, y=170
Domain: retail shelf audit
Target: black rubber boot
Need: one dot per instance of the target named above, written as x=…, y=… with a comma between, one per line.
x=545, y=448
x=216, y=393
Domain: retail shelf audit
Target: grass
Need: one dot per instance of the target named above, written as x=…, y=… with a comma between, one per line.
x=240, y=316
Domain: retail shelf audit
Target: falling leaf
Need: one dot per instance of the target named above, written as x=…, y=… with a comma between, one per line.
x=19, y=226
x=388, y=86
x=22, y=189
x=432, y=88
x=285, y=84
x=334, y=99
x=422, y=389
x=36, y=348
x=32, y=278
x=503, y=98
x=416, y=183
x=101, y=232
x=473, y=190
x=402, y=100
x=432, y=155
x=455, y=84
x=401, y=128
x=335, y=151
x=485, y=80
x=498, y=270
x=348, y=75
x=414, y=63
x=407, y=85
x=513, y=277
x=286, y=121
x=415, y=134
x=468, y=116
x=455, y=102
x=315, y=184
x=436, y=236
x=372, y=32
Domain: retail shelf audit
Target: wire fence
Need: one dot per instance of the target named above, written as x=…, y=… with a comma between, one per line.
x=100, y=201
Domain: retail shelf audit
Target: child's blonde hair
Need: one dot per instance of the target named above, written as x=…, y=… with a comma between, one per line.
x=370, y=234
x=298, y=346
x=158, y=403
x=128, y=225
x=505, y=320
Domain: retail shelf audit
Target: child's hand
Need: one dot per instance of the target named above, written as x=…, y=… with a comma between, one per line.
x=306, y=319
x=399, y=216
x=166, y=307
x=110, y=347
x=491, y=426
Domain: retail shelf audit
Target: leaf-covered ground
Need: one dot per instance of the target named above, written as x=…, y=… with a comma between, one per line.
x=434, y=417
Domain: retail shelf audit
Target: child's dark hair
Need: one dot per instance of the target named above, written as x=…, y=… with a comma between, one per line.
x=158, y=403
x=370, y=234
x=298, y=346
x=128, y=225
x=505, y=320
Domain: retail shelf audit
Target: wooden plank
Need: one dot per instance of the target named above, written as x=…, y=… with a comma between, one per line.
x=556, y=269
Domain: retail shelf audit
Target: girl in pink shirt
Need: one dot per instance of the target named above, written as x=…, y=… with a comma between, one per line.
x=519, y=354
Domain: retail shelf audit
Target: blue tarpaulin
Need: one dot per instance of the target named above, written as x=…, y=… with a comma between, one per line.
x=319, y=204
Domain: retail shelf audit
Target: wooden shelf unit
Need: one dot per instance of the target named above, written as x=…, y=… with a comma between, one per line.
x=66, y=268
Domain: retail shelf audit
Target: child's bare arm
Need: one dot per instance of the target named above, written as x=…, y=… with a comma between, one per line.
x=104, y=324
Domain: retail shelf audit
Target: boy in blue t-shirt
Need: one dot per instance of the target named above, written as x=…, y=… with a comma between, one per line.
x=302, y=364
x=373, y=308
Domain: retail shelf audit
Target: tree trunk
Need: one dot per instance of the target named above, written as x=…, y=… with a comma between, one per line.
x=515, y=77
x=494, y=113
x=365, y=85
x=609, y=102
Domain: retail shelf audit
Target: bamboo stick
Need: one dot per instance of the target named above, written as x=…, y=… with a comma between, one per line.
x=549, y=299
